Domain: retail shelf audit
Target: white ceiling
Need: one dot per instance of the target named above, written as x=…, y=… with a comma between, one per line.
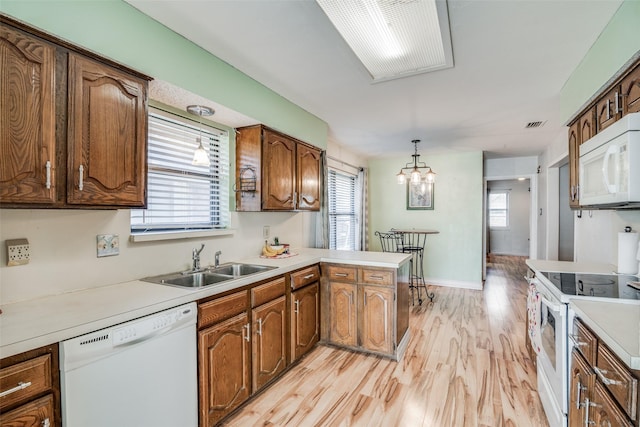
x=511, y=59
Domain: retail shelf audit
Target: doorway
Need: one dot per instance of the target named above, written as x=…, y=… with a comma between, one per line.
x=508, y=215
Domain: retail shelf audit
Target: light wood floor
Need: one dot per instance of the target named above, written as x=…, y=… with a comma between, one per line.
x=466, y=365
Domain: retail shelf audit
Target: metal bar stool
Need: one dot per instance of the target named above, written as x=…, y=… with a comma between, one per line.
x=414, y=242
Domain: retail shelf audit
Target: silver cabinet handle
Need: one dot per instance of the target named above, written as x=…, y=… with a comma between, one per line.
x=577, y=342
x=46, y=423
x=572, y=193
x=48, y=168
x=376, y=277
x=340, y=274
x=81, y=178
x=617, y=103
x=296, y=310
x=607, y=381
x=21, y=386
x=608, y=109
x=579, y=391
x=247, y=337
x=259, y=331
x=308, y=276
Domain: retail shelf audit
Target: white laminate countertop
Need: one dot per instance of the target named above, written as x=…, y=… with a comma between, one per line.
x=615, y=321
x=31, y=324
x=617, y=325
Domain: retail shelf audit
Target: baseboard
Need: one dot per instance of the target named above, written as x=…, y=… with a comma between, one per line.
x=477, y=286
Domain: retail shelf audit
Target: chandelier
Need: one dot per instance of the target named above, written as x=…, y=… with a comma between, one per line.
x=417, y=168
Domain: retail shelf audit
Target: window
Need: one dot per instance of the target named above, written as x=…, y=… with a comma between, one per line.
x=342, y=211
x=499, y=209
x=181, y=196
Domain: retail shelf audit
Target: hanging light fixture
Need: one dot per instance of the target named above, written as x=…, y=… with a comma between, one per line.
x=200, y=155
x=416, y=175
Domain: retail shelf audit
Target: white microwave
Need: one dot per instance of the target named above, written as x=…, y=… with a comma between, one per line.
x=610, y=166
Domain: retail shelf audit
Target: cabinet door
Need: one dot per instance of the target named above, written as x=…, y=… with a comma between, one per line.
x=38, y=413
x=223, y=360
x=605, y=411
x=278, y=172
x=587, y=126
x=343, y=322
x=377, y=314
x=608, y=109
x=27, y=119
x=308, y=168
x=305, y=320
x=269, y=341
x=574, y=144
x=582, y=378
x=107, y=133
x=630, y=88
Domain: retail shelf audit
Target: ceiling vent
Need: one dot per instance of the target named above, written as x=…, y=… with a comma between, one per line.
x=531, y=125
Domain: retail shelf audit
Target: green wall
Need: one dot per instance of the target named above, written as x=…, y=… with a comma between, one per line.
x=455, y=255
x=116, y=30
x=617, y=43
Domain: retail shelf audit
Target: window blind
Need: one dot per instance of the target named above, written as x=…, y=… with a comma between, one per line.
x=342, y=210
x=499, y=209
x=181, y=196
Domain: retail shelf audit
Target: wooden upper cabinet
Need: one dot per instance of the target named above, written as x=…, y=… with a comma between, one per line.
x=574, y=144
x=27, y=118
x=275, y=172
x=587, y=126
x=608, y=109
x=278, y=172
x=630, y=90
x=107, y=132
x=308, y=191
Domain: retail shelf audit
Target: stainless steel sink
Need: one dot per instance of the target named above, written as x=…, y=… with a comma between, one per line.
x=240, y=269
x=207, y=277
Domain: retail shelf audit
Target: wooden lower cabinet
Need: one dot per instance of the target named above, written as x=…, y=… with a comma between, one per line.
x=223, y=353
x=604, y=412
x=377, y=324
x=269, y=341
x=343, y=328
x=582, y=380
x=305, y=319
x=38, y=413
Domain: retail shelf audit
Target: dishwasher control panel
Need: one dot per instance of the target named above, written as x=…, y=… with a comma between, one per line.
x=136, y=330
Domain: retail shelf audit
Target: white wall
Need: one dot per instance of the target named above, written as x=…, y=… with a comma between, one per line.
x=510, y=167
x=513, y=240
x=63, y=248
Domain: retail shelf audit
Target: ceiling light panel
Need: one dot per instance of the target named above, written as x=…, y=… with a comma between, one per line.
x=394, y=38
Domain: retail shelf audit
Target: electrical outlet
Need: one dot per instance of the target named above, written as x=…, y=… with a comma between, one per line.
x=265, y=232
x=18, y=252
x=107, y=245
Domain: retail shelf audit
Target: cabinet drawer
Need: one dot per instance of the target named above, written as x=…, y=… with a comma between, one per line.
x=585, y=341
x=33, y=414
x=267, y=292
x=304, y=277
x=220, y=309
x=35, y=372
x=339, y=273
x=376, y=277
x=605, y=412
x=617, y=378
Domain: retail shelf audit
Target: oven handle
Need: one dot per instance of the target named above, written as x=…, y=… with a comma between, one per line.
x=556, y=308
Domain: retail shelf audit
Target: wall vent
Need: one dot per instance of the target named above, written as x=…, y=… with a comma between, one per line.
x=534, y=125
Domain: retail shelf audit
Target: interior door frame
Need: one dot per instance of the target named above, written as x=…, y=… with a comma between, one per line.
x=533, y=215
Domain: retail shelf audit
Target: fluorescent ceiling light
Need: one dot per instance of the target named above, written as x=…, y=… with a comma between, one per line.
x=394, y=38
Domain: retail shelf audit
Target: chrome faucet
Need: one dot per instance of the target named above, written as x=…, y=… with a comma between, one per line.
x=217, y=259
x=196, y=258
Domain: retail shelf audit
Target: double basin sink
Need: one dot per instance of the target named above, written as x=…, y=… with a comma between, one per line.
x=207, y=277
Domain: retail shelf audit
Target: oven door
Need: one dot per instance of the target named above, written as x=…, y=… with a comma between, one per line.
x=552, y=359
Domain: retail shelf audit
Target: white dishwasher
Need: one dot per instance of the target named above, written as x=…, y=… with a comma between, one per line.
x=142, y=373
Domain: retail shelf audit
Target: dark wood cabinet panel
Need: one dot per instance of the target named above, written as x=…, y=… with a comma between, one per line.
x=308, y=178
x=27, y=118
x=305, y=319
x=224, y=370
x=630, y=90
x=343, y=328
x=269, y=342
x=278, y=172
x=38, y=413
x=605, y=412
x=107, y=131
x=580, y=392
x=608, y=110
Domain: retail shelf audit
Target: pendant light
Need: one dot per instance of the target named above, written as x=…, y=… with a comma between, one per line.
x=200, y=155
x=416, y=176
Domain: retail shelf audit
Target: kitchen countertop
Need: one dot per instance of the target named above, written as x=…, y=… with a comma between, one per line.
x=31, y=324
x=616, y=322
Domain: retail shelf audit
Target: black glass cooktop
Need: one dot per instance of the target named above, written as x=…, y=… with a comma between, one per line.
x=595, y=285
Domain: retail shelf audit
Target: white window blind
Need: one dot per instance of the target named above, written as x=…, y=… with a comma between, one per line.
x=499, y=209
x=181, y=196
x=342, y=210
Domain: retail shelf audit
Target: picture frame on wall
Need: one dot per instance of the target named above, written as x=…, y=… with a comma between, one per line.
x=420, y=196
